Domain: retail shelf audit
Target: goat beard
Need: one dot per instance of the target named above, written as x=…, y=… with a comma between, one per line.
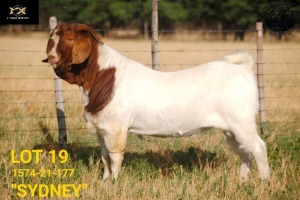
x=72, y=73
x=61, y=72
x=62, y=68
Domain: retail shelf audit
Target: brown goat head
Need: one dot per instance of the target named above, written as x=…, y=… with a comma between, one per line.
x=70, y=44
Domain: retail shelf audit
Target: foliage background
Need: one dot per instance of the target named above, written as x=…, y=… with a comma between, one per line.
x=107, y=14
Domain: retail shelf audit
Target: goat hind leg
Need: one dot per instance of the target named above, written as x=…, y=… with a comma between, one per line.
x=260, y=155
x=245, y=167
x=250, y=142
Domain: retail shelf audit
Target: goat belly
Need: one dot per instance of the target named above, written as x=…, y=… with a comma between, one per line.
x=169, y=123
x=174, y=133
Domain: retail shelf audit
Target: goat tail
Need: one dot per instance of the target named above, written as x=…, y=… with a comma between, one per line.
x=241, y=58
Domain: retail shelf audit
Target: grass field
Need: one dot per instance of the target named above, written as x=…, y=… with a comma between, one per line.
x=201, y=167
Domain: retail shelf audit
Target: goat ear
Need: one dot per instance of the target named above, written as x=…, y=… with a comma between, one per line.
x=82, y=44
x=90, y=31
x=81, y=49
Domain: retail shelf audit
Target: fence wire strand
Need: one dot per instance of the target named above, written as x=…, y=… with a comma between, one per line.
x=4, y=117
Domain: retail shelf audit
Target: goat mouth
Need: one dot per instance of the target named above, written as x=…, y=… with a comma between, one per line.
x=51, y=62
x=52, y=59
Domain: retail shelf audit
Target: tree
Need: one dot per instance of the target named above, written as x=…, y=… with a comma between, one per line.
x=207, y=14
x=66, y=10
x=239, y=16
x=203, y=12
x=171, y=12
x=95, y=14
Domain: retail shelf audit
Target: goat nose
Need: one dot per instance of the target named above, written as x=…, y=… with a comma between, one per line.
x=50, y=57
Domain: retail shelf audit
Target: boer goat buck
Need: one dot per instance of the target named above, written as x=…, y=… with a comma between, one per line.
x=120, y=95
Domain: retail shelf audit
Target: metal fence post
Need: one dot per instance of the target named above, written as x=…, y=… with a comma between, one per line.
x=260, y=78
x=62, y=134
x=154, y=31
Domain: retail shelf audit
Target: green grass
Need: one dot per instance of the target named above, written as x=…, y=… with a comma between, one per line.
x=201, y=167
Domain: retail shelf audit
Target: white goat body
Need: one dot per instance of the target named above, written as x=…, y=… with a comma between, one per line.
x=179, y=103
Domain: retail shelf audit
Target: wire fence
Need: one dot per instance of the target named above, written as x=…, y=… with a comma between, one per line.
x=27, y=105
x=135, y=29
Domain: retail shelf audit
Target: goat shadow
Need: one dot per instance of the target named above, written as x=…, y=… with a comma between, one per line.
x=165, y=160
x=168, y=161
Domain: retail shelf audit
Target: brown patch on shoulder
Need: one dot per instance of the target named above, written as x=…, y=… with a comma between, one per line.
x=101, y=91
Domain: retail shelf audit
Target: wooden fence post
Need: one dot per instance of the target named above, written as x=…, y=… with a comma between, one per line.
x=62, y=134
x=154, y=31
x=260, y=78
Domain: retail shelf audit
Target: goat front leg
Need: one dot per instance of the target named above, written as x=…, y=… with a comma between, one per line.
x=116, y=163
x=112, y=152
x=104, y=157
